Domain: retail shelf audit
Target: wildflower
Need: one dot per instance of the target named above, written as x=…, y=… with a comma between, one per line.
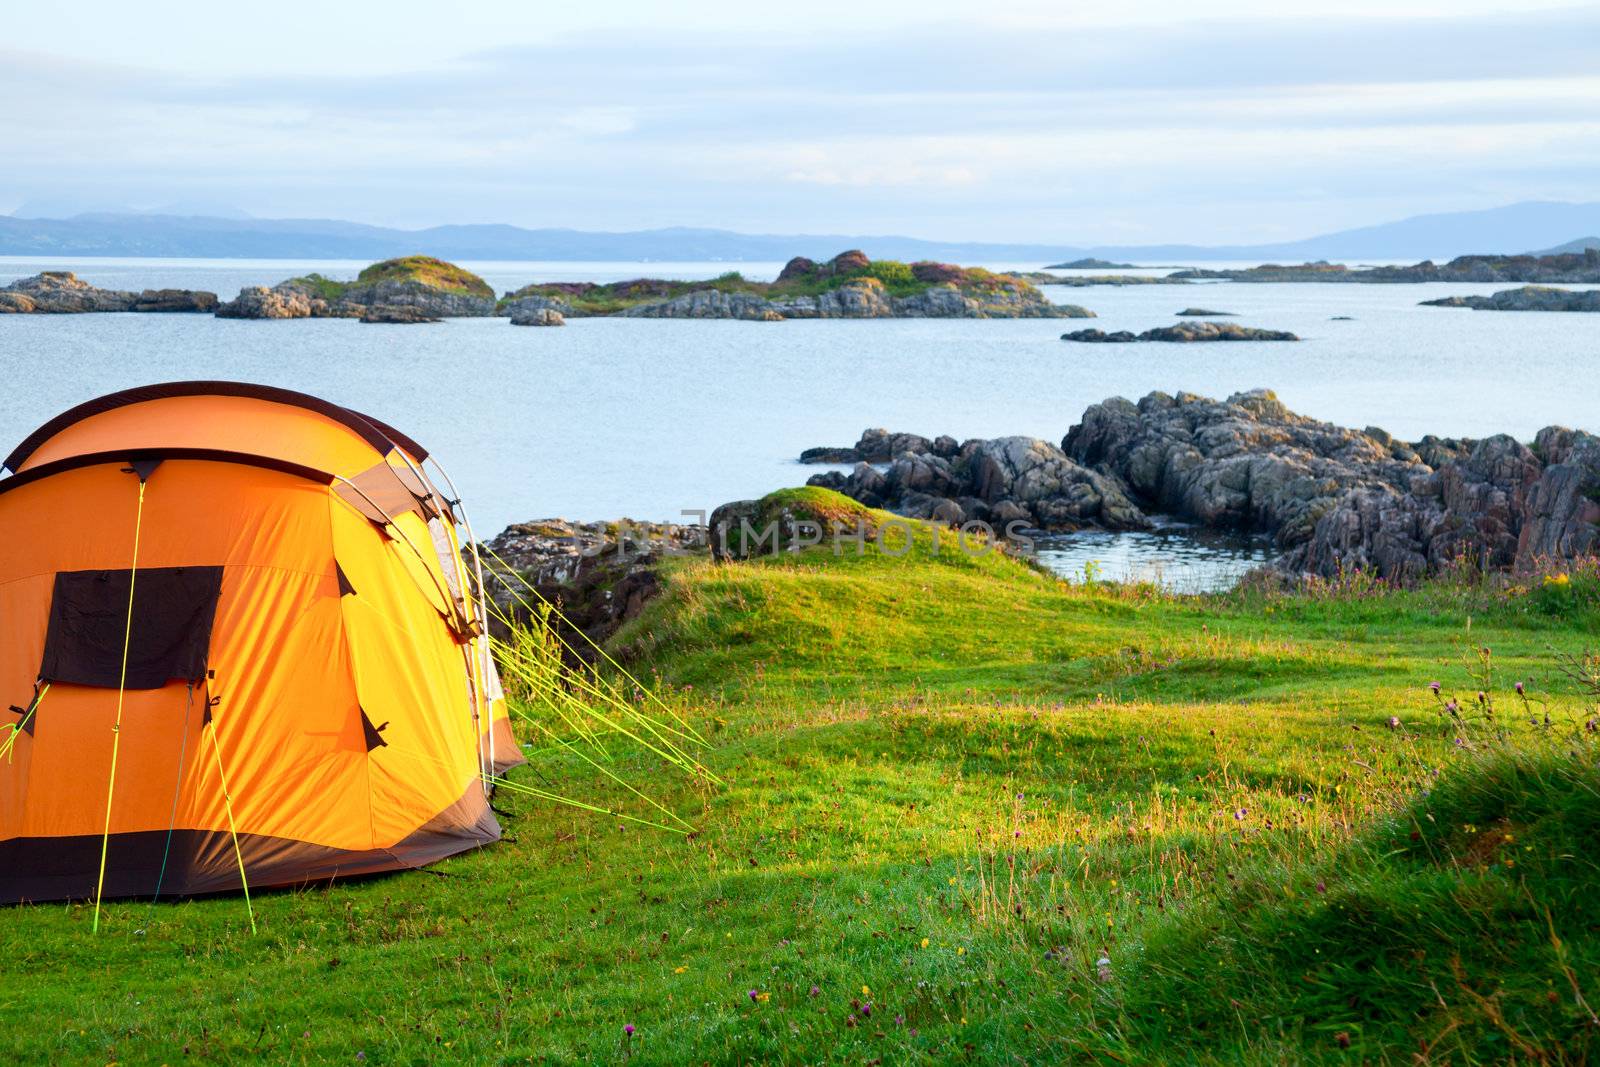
x=1239, y=815
x=961, y=951
x=1519, y=689
x=865, y=991
x=679, y=970
x=899, y=1020
x=1394, y=722
x=1435, y=687
x=924, y=942
x=628, y=1029
x=754, y=996
x=361, y=1055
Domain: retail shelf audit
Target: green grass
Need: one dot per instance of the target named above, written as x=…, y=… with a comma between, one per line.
x=952, y=787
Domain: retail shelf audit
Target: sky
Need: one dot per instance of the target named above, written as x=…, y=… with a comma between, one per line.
x=1232, y=121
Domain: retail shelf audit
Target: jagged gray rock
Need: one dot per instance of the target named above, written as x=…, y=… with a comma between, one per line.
x=1185, y=332
x=1527, y=298
x=537, y=317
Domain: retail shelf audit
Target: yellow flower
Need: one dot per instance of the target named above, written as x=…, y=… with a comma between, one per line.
x=961, y=952
x=866, y=992
x=924, y=942
x=679, y=970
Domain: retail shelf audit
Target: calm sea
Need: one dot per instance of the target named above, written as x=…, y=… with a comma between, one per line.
x=650, y=419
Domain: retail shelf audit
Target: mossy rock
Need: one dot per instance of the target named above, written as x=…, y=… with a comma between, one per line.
x=426, y=270
x=787, y=520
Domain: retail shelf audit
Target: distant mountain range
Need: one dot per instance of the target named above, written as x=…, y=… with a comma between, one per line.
x=1512, y=228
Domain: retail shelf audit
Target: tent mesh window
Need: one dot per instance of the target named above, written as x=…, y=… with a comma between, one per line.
x=168, y=639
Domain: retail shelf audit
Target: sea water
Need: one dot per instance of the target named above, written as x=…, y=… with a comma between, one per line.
x=664, y=419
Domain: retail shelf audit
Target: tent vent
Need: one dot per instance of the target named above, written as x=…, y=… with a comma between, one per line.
x=373, y=733
x=345, y=588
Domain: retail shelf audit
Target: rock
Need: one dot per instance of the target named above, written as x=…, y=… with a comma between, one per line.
x=599, y=574
x=60, y=292
x=786, y=521
x=1090, y=263
x=1470, y=511
x=1528, y=298
x=1568, y=267
x=279, y=302
x=1246, y=462
x=1018, y=479
x=537, y=317
x=1092, y=336
x=1201, y=313
x=16, y=303
x=709, y=304
x=532, y=305
x=397, y=314
x=175, y=300
x=878, y=445
x=849, y=262
x=1342, y=318
x=1185, y=332
x=798, y=267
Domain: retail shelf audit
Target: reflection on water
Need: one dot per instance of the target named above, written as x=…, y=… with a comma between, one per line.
x=1178, y=556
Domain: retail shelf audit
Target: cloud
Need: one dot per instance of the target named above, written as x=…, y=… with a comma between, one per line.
x=1231, y=129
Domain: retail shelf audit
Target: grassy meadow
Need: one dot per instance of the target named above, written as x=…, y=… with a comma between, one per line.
x=967, y=813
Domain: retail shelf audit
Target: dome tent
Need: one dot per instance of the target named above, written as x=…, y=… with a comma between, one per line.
x=240, y=648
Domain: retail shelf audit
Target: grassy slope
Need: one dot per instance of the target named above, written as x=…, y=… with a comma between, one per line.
x=953, y=787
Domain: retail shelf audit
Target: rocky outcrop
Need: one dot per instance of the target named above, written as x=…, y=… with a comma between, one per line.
x=1183, y=333
x=175, y=300
x=1572, y=267
x=537, y=317
x=1334, y=499
x=599, y=574
x=396, y=314
x=1202, y=313
x=424, y=289
x=1245, y=462
x=709, y=304
x=1000, y=481
x=1090, y=263
x=1527, y=298
x=59, y=292
x=528, y=305
x=282, y=301
x=880, y=446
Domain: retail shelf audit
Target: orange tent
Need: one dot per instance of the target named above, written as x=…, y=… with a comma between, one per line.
x=240, y=646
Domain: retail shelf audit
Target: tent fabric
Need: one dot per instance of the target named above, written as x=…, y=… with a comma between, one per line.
x=326, y=664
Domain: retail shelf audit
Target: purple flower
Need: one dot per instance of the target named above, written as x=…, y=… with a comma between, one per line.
x=753, y=995
x=1519, y=689
x=628, y=1029
x=1240, y=814
x=1435, y=687
x=815, y=990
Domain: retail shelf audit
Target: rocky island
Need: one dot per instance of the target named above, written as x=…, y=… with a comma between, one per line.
x=1183, y=333
x=404, y=290
x=1334, y=499
x=1569, y=267
x=60, y=292
x=848, y=286
x=1528, y=298
x=1090, y=263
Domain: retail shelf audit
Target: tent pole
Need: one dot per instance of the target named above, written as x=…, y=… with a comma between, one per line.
x=116, y=728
